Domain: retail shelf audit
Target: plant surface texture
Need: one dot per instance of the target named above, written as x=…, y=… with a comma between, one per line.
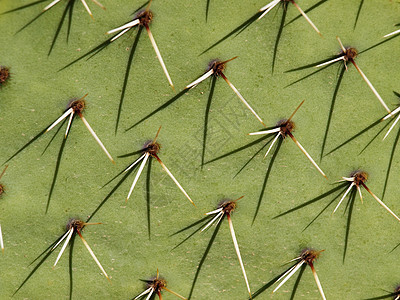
x=204, y=142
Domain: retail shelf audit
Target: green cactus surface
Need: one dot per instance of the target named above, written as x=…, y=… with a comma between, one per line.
x=38, y=92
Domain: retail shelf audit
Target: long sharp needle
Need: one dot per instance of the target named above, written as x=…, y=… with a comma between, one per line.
x=153, y=42
x=306, y=17
x=289, y=275
x=268, y=7
x=144, y=293
x=391, y=127
x=317, y=281
x=266, y=131
x=371, y=87
x=381, y=203
x=344, y=196
x=174, y=179
x=134, y=163
x=331, y=61
x=235, y=243
x=138, y=175
x=308, y=155
x=173, y=293
x=128, y=25
x=212, y=221
x=392, y=33
x=69, y=124
x=71, y=231
x=92, y=254
x=272, y=144
x=242, y=99
x=200, y=79
x=51, y=5
x=63, y=116
x=96, y=137
x=87, y=8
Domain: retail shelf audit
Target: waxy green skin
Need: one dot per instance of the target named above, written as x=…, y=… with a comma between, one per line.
x=37, y=93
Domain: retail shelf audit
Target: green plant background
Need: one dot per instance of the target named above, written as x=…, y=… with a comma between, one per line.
x=37, y=94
